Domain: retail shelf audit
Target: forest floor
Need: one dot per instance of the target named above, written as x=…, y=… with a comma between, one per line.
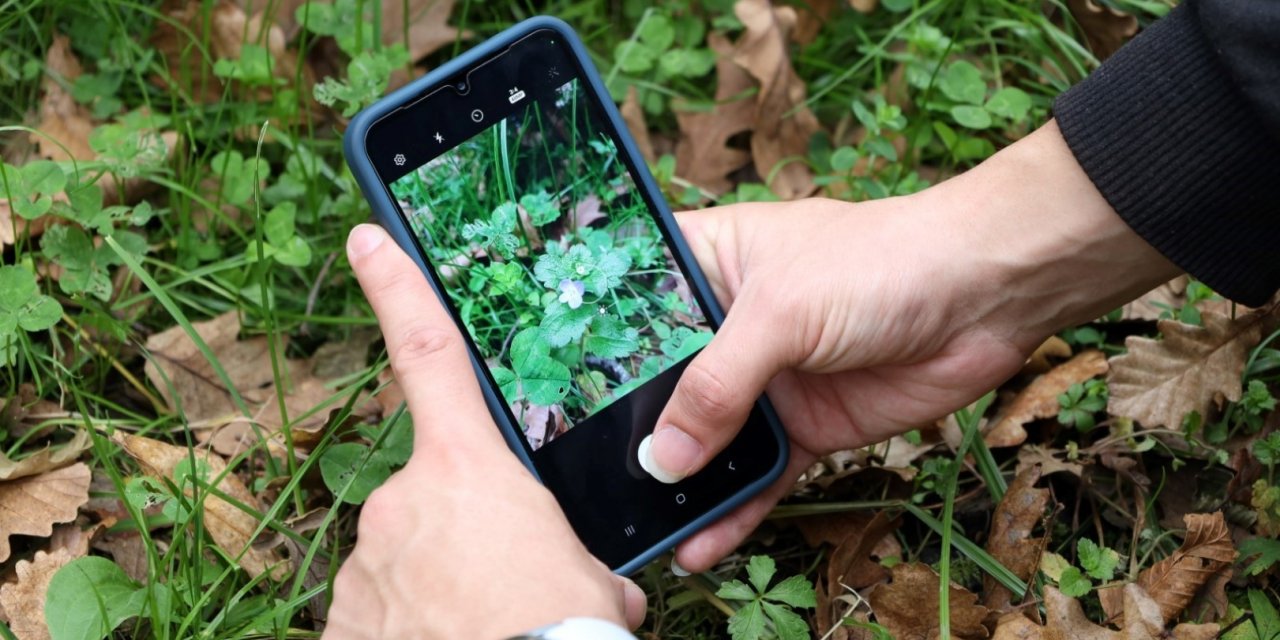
x=195, y=397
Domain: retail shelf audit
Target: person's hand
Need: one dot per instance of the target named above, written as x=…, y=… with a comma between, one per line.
x=462, y=542
x=864, y=321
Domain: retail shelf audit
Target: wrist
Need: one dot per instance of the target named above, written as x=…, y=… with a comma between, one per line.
x=1045, y=249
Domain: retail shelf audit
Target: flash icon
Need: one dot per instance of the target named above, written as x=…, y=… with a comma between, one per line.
x=439, y=138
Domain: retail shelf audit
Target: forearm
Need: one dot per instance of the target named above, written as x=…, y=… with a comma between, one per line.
x=1044, y=247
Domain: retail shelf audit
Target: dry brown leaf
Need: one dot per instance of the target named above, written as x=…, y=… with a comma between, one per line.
x=858, y=540
x=1016, y=626
x=1035, y=455
x=188, y=382
x=1018, y=513
x=1053, y=347
x=864, y=6
x=1065, y=620
x=778, y=136
x=908, y=605
x=633, y=116
x=1158, y=382
x=46, y=459
x=1205, y=553
x=231, y=528
x=1152, y=304
x=30, y=506
x=23, y=601
x=703, y=154
x=1040, y=398
x=61, y=117
x=811, y=16
x=1104, y=28
x=428, y=22
x=128, y=550
x=189, y=56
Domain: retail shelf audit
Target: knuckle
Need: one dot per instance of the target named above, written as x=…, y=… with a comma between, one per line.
x=707, y=397
x=393, y=284
x=379, y=515
x=423, y=341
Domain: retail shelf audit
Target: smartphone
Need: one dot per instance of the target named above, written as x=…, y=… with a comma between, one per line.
x=511, y=179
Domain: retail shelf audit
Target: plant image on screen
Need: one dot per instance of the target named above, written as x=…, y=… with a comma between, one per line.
x=554, y=263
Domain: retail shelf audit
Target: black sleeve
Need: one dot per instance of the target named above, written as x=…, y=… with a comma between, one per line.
x=1180, y=132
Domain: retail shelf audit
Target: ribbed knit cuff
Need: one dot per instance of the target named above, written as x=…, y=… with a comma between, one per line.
x=1175, y=149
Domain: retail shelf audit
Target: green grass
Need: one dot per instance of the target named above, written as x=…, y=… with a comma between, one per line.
x=250, y=216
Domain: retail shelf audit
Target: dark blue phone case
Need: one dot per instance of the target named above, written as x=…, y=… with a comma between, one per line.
x=388, y=214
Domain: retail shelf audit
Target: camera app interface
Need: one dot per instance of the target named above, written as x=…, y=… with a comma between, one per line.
x=554, y=261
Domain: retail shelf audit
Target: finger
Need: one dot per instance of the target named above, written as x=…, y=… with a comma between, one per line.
x=704, y=549
x=717, y=390
x=427, y=352
x=635, y=605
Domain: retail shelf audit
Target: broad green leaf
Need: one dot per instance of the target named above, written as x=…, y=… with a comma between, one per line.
x=340, y=464
x=1009, y=102
x=687, y=63
x=1265, y=616
x=397, y=445
x=748, y=622
x=40, y=314
x=963, y=82
x=17, y=287
x=658, y=32
x=43, y=176
x=543, y=379
x=89, y=597
x=1073, y=584
x=611, y=338
x=278, y=226
x=504, y=277
x=971, y=116
x=760, y=570
x=1099, y=562
x=294, y=253
x=844, y=159
x=507, y=382
x=564, y=324
x=541, y=207
x=1267, y=554
x=319, y=17
x=634, y=57
x=795, y=591
x=786, y=622
x=735, y=590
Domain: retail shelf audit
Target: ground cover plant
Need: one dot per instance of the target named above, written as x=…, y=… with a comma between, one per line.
x=194, y=400
x=554, y=263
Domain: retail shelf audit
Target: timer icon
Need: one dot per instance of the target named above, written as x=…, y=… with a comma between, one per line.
x=398, y=159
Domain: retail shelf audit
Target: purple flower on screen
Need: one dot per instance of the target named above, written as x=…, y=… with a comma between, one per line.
x=571, y=292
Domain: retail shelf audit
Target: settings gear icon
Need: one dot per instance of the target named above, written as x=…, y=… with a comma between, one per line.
x=398, y=159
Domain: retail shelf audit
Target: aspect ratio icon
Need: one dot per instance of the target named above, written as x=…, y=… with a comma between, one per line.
x=477, y=115
x=515, y=94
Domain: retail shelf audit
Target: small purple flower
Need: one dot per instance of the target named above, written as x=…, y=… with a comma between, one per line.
x=571, y=292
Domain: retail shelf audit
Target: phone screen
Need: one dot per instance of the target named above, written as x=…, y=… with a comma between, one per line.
x=555, y=263
x=545, y=237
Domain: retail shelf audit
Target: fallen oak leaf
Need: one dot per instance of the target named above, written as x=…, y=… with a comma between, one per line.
x=1158, y=301
x=908, y=605
x=1174, y=581
x=1158, y=382
x=23, y=601
x=783, y=123
x=46, y=459
x=633, y=116
x=1040, y=398
x=231, y=528
x=1052, y=347
x=703, y=154
x=30, y=506
x=1019, y=512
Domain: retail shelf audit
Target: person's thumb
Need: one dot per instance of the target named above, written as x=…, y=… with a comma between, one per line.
x=716, y=392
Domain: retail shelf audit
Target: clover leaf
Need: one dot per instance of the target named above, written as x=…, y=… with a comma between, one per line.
x=541, y=379
x=85, y=267
x=282, y=243
x=22, y=306
x=599, y=268
x=31, y=188
x=365, y=470
x=764, y=604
